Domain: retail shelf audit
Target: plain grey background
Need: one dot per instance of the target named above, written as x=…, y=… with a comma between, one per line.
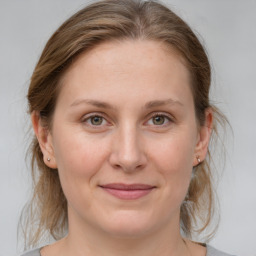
x=227, y=28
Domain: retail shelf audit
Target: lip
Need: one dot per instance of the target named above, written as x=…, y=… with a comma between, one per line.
x=127, y=191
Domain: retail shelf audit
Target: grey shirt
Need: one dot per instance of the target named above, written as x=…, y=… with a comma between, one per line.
x=210, y=252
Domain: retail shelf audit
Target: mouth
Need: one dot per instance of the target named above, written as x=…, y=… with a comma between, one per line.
x=128, y=191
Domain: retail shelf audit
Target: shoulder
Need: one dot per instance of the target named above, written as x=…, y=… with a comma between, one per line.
x=211, y=251
x=34, y=252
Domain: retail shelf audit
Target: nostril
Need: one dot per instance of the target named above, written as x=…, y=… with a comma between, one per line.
x=128, y=168
x=117, y=166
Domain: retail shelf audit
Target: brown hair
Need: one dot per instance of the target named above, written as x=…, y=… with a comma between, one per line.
x=103, y=21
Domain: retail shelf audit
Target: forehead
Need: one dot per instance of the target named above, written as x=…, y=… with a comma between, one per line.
x=134, y=65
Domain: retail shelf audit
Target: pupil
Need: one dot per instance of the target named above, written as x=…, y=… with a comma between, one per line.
x=96, y=120
x=158, y=120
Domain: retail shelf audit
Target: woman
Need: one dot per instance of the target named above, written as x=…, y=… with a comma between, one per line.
x=119, y=103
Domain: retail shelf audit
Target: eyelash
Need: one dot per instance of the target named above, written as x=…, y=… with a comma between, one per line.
x=168, y=118
x=86, y=119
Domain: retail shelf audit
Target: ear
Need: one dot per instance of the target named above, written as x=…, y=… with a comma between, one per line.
x=204, y=136
x=44, y=138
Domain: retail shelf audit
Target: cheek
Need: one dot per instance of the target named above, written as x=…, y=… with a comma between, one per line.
x=174, y=160
x=175, y=155
x=78, y=160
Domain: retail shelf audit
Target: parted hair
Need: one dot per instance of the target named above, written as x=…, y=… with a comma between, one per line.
x=99, y=22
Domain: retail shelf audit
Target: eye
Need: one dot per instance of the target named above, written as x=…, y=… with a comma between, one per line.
x=159, y=119
x=94, y=120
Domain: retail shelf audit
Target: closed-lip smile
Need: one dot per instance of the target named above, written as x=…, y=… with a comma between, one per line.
x=127, y=191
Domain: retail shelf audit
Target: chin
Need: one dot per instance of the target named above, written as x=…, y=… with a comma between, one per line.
x=130, y=225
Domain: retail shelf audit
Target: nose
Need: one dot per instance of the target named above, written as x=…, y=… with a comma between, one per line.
x=128, y=152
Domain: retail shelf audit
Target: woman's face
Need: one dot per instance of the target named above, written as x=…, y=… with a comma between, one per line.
x=125, y=138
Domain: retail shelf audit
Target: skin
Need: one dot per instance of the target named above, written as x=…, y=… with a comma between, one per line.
x=145, y=132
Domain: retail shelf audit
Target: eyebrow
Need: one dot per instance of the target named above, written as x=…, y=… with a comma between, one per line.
x=159, y=103
x=96, y=103
x=148, y=105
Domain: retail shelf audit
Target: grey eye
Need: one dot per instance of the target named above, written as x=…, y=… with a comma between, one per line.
x=96, y=120
x=158, y=120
